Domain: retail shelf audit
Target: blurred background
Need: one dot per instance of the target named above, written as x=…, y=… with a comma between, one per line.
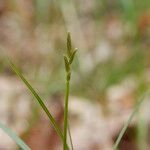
x=110, y=72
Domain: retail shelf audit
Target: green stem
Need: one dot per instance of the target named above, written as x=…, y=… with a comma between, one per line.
x=66, y=115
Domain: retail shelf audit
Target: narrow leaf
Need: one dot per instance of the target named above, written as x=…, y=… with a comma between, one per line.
x=141, y=99
x=17, y=139
x=40, y=101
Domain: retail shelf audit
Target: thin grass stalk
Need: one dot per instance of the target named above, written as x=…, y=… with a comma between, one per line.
x=17, y=139
x=115, y=146
x=68, y=59
x=71, y=142
x=66, y=114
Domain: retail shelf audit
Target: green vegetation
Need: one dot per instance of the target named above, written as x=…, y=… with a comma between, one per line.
x=17, y=139
x=32, y=34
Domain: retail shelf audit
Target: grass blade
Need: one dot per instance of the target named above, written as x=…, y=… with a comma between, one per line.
x=71, y=142
x=17, y=139
x=40, y=101
x=129, y=120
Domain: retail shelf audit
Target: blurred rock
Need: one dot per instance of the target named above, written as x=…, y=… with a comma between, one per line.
x=88, y=126
x=121, y=96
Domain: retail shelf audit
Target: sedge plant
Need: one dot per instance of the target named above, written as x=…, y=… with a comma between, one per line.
x=68, y=59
